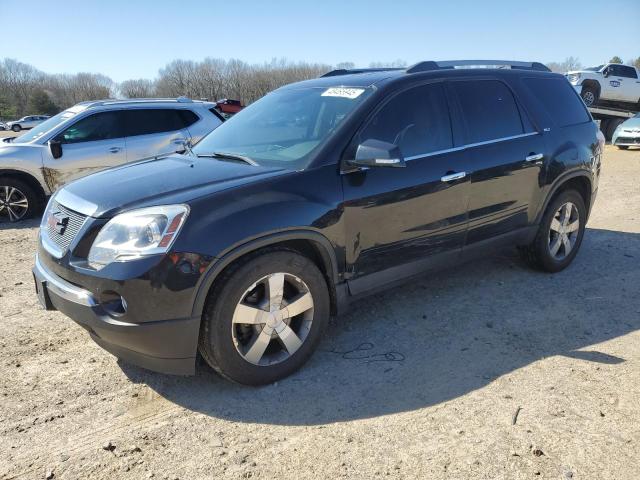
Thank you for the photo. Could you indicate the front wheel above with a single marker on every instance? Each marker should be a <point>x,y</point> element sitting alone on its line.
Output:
<point>559,235</point>
<point>18,201</point>
<point>15,128</point>
<point>264,317</point>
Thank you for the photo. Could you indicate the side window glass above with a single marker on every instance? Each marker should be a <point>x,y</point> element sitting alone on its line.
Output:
<point>100,126</point>
<point>416,120</point>
<point>151,120</point>
<point>559,99</point>
<point>186,118</point>
<point>489,109</point>
<point>629,72</point>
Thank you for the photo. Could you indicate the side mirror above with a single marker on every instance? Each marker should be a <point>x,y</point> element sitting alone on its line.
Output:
<point>376,153</point>
<point>55,146</point>
<point>606,72</point>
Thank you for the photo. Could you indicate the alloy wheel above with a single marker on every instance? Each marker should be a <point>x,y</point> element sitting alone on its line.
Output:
<point>13,203</point>
<point>563,231</point>
<point>272,319</point>
<point>589,98</point>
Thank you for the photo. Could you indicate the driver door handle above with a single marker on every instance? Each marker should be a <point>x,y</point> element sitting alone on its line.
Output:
<point>115,149</point>
<point>534,157</point>
<point>453,176</point>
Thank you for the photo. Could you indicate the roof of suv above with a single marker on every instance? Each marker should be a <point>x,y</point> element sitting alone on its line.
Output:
<point>366,77</point>
<point>138,101</point>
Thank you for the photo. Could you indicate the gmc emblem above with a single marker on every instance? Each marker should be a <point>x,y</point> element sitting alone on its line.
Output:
<point>58,221</point>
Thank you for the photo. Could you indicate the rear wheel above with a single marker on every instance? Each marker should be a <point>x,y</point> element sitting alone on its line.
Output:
<point>18,201</point>
<point>16,128</point>
<point>264,317</point>
<point>589,96</point>
<point>559,235</point>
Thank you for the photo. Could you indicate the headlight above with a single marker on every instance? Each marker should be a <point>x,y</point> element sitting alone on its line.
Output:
<point>138,233</point>
<point>573,77</point>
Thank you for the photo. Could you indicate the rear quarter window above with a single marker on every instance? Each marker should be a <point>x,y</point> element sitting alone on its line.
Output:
<point>559,99</point>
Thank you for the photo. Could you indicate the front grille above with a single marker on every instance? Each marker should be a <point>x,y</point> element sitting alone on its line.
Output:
<point>635,140</point>
<point>75,222</point>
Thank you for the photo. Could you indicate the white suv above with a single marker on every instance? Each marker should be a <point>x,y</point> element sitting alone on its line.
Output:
<point>93,136</point>
<point>612,82</point>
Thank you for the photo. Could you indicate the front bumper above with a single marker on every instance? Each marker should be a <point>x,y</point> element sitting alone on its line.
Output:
<point>166,346</point>
<point>629,139</point>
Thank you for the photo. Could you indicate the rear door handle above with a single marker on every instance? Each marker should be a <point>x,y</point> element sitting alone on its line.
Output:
<point>115,149</point>
<point>453,176</point>
<point>179,141</point>
<point>534,157</point>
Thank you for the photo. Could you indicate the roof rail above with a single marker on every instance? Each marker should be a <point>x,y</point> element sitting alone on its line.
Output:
<point>142,100</point>
<point>345,71</point>
<point>431,65</point>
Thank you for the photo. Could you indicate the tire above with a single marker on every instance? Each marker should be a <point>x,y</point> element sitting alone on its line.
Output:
<point>611,127</point>
<point>623,147</point>
<point>539,254</point>
<point>16,128</point>
<point>242,294</point>
<point>18,200</point>
<point>589,96</point>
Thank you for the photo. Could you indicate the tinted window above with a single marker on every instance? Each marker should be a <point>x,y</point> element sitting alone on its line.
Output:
<point>559,100</point>
<point>489,110</point>
<point>152,120</point>
<point>628,72</point>
<point>416,120</point>
<point>187,117</point>
<point>100,126</point>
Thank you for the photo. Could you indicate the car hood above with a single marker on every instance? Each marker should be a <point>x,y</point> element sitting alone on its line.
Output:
<point>173,179</point>
<point>631,124</point>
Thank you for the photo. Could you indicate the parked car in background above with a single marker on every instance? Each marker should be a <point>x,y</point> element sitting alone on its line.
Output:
<point>26,123</point>
<point>3,126</point>
<point>229,107</point>
<point>627,134</point>
<point>319,193</point>
<point>92,136</point>
<point>611,82</point>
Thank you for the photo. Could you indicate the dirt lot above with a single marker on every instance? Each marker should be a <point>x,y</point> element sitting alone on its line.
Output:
<point>451,359</point>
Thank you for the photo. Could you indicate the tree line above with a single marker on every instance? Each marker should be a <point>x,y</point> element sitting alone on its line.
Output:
<point>26,90</point>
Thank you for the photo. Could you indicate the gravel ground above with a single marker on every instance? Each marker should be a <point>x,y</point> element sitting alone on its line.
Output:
<point>489,371</point>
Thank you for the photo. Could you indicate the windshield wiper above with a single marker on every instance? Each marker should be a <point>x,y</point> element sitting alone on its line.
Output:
<point>231,156</point>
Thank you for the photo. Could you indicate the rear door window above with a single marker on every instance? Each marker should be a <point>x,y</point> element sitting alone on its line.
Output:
<point>489,110</point>
<point>145,121</point>
<point>187,118</point>
<point>417,120</point>
<point>559,99</point>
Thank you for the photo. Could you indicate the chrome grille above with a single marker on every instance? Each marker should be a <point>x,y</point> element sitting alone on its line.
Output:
<point>74,223</point>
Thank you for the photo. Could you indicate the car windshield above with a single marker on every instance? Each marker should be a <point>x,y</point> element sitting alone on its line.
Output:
<point>595,69</point>
<point>285,127</point>
<point>42,128</point>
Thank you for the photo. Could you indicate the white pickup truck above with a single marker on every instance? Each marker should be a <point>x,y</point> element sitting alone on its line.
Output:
<point>611,82</point>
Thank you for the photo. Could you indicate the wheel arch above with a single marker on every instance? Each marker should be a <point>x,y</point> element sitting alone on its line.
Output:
<point>577,180</point>
<point>27,178</point>
<point>307,242</point>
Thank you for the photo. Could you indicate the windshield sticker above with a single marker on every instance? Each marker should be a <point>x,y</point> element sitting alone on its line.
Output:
<point>349,93</point>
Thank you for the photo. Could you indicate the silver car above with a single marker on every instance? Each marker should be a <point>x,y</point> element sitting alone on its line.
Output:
<point>627,134</point>
<point>93,136</point>
<point>25,123</point>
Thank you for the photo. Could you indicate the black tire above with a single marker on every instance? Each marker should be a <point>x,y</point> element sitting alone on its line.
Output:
<point>218,337</point>
<point>16,128</point>
<point>611,127</point>
<point>589,96</point>
<point>538,254</point>
<point>603,128</point>
<point>623,147</point>
<point>23,190</point>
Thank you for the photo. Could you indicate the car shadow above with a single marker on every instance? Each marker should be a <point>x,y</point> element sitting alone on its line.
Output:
<point>21,225</point>
<point>437,338</point>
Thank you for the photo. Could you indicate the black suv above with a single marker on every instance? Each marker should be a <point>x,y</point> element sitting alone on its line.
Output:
<point>320,193</point>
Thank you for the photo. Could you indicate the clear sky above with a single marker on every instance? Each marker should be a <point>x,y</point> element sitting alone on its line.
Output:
<point>134,38</point>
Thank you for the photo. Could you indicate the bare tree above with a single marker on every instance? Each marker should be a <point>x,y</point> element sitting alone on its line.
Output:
<point>140,88</point>
<point>569,64</point>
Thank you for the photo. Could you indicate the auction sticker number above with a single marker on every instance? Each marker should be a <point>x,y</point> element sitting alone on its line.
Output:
<point>343,92</point>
